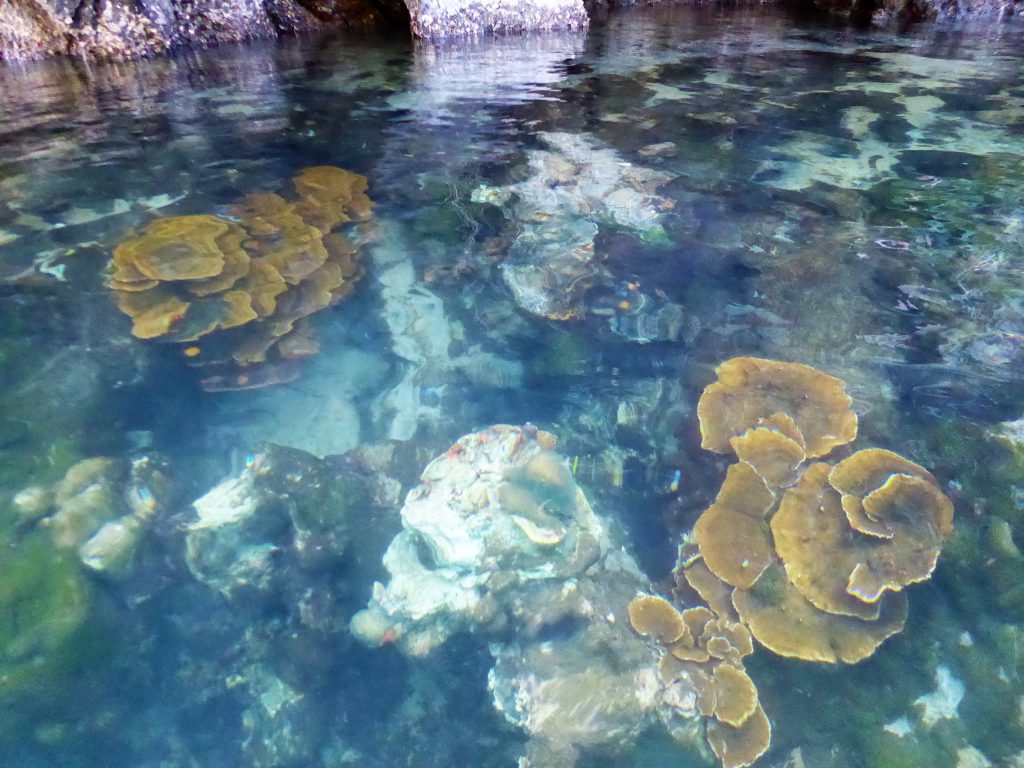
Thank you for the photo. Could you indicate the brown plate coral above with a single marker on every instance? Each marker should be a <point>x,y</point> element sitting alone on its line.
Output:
<point>707,657</point>
<point>751,392</point>
<point>236,293</point>
<point>811,560</point>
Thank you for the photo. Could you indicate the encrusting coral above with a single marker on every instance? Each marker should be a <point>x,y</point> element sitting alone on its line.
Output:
<point>236,292</point>
<point>810,559</point>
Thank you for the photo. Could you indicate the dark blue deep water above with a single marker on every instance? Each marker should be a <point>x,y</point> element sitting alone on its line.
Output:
<point>570,232</point>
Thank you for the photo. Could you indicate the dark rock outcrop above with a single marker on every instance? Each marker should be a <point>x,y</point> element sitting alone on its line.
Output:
<point>125,29</point>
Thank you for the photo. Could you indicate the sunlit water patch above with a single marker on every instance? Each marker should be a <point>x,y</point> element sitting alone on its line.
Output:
<point>567,234</point>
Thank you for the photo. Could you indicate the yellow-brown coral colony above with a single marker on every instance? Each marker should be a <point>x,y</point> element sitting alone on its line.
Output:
<point>707,657</point>
<point>239,292</point>
<point>811,559</point>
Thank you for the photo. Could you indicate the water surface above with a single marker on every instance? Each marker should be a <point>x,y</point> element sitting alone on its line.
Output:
<point>849,200</point>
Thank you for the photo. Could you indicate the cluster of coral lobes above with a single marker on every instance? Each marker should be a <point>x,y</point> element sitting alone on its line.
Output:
<point>236,292</point>
<point>810,558</point>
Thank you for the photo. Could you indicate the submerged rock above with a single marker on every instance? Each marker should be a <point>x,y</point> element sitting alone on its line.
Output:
<point>499,540</point>
<point>574,185</point>
<point>286,509</point>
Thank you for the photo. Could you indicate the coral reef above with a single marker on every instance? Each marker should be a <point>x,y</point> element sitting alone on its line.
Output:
<point>499,540</point>
<point>574,185</point>
<point>816,569</point>
<point>701,667</point>
<point>237,293</point>
<point>809,559</point>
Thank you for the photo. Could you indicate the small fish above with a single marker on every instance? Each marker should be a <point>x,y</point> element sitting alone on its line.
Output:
<point>677,476</point>
<point>141,500</point>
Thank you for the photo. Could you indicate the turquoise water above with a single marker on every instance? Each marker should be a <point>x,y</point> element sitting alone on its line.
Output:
<point>571,232</point>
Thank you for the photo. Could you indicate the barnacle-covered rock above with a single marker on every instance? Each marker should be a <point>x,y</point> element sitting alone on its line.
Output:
<point>733,532</point>
<point>750,390</point>
<point>786,623</point>
<point>238,288</point>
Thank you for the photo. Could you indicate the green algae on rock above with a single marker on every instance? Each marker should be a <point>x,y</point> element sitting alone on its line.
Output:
<point>44,610</point>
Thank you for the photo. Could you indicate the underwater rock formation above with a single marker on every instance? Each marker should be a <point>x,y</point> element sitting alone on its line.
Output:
<point>286,505</point>
<point>272,544</point>
<point>120,29</point>
<point>574,185</point>
<point>813,559</point>
<point>44,612</point>
<point>101,510</point>
<point>238,294</point>
<point>498,539</point>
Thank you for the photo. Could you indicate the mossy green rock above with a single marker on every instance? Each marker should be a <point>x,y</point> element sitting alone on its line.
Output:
<point>44,605</point>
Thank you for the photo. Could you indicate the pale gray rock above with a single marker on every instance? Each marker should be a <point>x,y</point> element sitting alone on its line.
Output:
<point>499,540</point>
<point>442,19</point>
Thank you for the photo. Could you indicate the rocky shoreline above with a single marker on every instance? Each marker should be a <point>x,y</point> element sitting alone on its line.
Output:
<point>129,29</point>
<point>118,30</point>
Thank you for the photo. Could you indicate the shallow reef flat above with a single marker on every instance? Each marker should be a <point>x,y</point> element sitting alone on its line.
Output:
<point>644,396</point>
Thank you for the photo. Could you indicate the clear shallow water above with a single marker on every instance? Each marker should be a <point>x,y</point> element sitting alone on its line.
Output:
<point>846,200</point>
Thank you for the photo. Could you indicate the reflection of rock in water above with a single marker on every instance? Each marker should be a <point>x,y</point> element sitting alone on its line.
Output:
<point>498,539</point>
<point>491,72</point>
